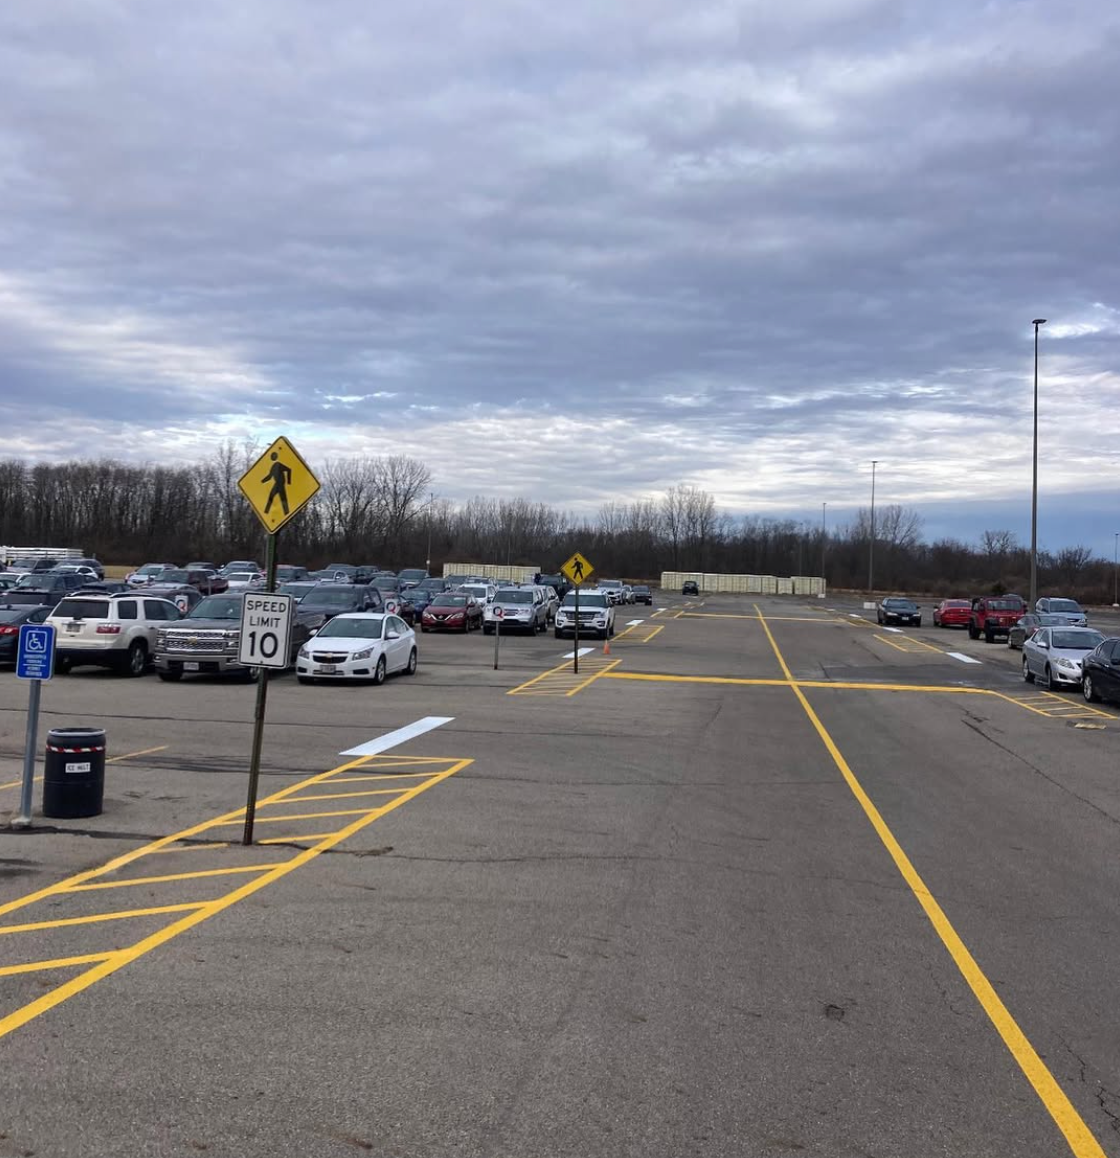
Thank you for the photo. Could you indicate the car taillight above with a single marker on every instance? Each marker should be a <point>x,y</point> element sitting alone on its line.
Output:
<point>108,629</point>
<point>9,630</point>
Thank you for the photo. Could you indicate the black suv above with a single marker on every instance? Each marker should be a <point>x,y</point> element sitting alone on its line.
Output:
<point>690,587</point>
<point>331,599</point>
<point>642,594</point>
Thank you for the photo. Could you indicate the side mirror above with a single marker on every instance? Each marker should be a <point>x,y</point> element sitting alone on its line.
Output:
<point>1043,644</point>
<point>313,631</point>
<point>393,635</point>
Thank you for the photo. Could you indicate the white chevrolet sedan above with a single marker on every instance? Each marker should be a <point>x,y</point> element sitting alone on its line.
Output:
<point>358,645</point>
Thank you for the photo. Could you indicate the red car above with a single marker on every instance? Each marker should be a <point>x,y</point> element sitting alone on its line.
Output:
<point>451,611</point>
<point>952,613</point>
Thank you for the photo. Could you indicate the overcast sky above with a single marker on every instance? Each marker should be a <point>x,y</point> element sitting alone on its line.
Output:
<point>577,251</point>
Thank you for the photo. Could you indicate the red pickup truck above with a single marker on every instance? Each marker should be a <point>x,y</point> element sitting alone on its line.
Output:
<point>994,615</point>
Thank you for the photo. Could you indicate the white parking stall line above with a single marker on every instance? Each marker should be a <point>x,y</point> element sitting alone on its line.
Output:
<point>582,652</point>
<point>392,739</point>
<point>962,657</point>
<point>854,615</point>
<point>896,630</point>
<point>634,622</point>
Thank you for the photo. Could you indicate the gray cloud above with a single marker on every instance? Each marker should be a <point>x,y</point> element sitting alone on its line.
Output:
<point>577,251</point>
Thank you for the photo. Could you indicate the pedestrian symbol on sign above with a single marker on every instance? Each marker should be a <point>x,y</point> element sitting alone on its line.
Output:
<point>280,475</point>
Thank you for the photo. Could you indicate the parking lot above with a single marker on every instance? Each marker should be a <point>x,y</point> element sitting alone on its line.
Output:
<point>766,879</point>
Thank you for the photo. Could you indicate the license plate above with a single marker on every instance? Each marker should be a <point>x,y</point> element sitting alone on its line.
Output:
<point>190,666</point>
<point>73,628</point>
<point>326,669</point>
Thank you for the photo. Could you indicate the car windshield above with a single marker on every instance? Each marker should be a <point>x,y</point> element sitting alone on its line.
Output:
<point>449,601</point>
<point>514,597</point>
<point>297,588</point>
<point>641,587</point>
<point>347,567</point>
<point>1066,605</point>
<point>241,576</point>
<point>217,607</point>
<point>433,584</point>
<point>1005,605</point>
<point>413,573</point>
<point>13,614</point>
<point>343,628</point>
<point>901,604</point>
<point>83,608</point>
<point>151,569</point>
<point>327,598</point>
<point>588,599</point>
<point>956,603</point>
<point>478,591</point>
<point>177,575</point>
<point>1077,640</point>
<point>386,583</point>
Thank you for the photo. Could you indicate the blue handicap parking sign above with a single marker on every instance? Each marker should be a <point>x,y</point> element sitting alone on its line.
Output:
<point>35,657</point>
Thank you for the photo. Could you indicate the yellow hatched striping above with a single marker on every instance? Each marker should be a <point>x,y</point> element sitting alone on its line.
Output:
<point>113,875</point>
<point>562,681</point>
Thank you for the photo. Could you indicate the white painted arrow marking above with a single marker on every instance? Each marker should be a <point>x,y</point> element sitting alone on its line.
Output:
<point>392,739</point>
<point>896,630</point>
<point>963,658</point>
<point>582,651</point>
<point>635,622</point>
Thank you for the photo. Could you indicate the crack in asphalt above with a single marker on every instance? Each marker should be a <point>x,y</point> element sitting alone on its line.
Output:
<point>1038,771</point>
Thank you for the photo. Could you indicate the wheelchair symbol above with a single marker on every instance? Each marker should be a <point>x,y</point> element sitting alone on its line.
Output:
<point>36,642</point>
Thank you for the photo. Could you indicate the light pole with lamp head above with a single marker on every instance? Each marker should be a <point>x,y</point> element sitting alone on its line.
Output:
<point>431,502</point>
<point>1034,475</point>
<point>871,549</point>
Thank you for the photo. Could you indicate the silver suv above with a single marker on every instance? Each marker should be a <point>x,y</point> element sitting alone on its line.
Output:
<point>519,608</point>
<point>117,631</point>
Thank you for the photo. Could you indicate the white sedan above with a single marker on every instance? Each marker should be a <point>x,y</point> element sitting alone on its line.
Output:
<point>358,645</point>
<point>245,580</point>
<point>1053,655</point>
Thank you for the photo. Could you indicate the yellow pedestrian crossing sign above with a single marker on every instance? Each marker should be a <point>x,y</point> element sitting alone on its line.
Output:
<point>278,485</point>
<point>578,569</point>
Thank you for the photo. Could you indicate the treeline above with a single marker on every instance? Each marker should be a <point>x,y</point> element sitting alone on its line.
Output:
<point>384,511</point>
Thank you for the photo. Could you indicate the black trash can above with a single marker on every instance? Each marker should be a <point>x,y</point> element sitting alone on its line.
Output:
<point>74,777</point>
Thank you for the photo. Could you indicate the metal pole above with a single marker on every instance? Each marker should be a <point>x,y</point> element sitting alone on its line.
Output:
<point>497,639</point>
<point>34,692</point>
<point>824,533</point>
<point>1115,572</point>
<point>428,560</point>
<point>575,638</point>
<point>258,711</point>
<point>871,552</point>
<point>1034,475</point>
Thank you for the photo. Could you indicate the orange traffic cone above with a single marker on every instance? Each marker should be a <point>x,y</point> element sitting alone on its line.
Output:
<point>607,647</point>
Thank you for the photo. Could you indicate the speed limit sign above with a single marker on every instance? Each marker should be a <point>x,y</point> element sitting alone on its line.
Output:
<point>266,630</point>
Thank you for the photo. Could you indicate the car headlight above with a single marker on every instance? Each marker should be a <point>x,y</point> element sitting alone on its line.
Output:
<point>304,653</point>
<point>1067,663</point>
<point>365,653</point>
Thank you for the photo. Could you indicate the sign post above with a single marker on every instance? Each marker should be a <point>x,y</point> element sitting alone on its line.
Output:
<point>578,570</point>
<point>277,486</point>
<point>499,615</point>
<point>35,663</point>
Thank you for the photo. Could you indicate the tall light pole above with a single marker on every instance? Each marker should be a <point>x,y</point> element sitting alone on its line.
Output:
<point>871,550</point>
<point>431,502</point>
<point>1034,475</point>
<point>1115,570</point>
<point>824,533</point>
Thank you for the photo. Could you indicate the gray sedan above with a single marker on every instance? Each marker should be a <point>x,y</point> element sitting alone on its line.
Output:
<point>1053,655</point>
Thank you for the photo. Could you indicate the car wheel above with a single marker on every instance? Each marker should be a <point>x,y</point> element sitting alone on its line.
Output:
<point>379,672</point>
<point>136,659</point>
<point>1088,691</point>
<point>305,679</point>
<point>411,669</point>
<point>972,631</point>
<point>558,634</point>
<point>62,665</point>
<point>170,677</point>
<point>988,636</point>
<point>252,675</point>
<point>1047,679</point>
<point>1028,675</point>
<point>487,629</point>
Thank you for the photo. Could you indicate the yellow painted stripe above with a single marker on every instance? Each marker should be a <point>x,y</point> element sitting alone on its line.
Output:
<point>201,846</point>
<point>53,963</point>
<point>592,678</point>
<point>566,666</point>
<point>1076,1133</point>
<point>387,776</point>
<point>97,918</point>
<point>890,642</point>
<point>304,838</point>
<point>192,876</point>
<point>650,677</point>
<point>125,957</point>
<point>343,795</point>
<point>132,755</point>
<point>304,815</point>
<point>17,783</point>
<point>656,631</point>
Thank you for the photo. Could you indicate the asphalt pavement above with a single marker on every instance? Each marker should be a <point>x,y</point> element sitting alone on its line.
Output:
<point>767,879</point>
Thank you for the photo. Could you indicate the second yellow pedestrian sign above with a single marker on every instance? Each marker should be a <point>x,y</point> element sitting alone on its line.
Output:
<point>278,485</point>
